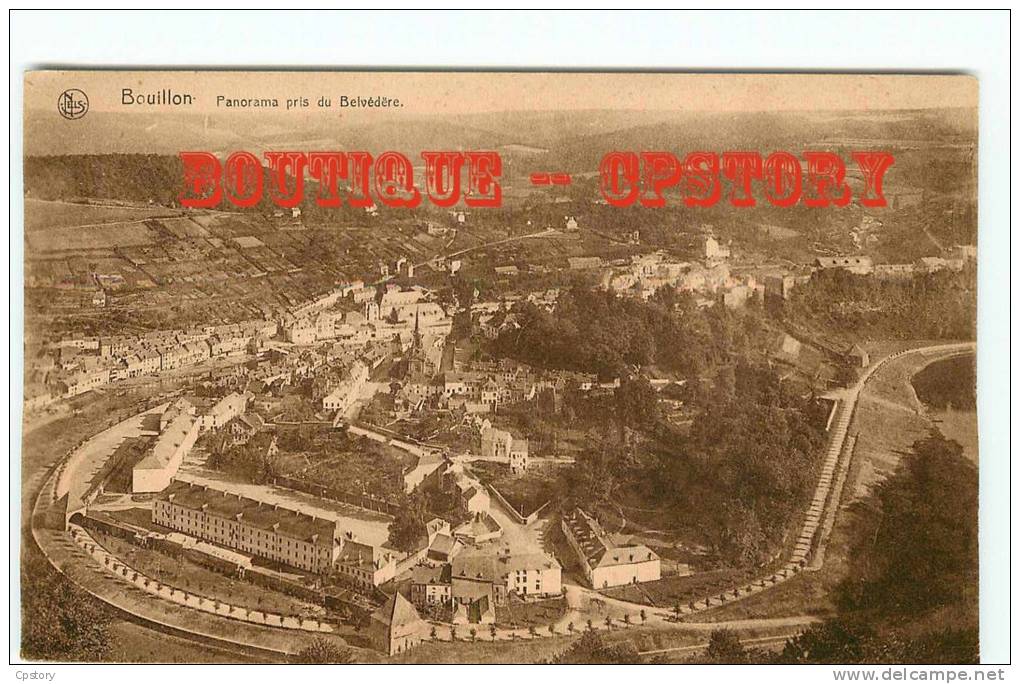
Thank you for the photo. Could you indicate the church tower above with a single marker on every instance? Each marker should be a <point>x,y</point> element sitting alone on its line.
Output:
<point>418,362</point>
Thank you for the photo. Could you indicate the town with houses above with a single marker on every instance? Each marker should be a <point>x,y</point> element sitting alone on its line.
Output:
<point>387,350</point>
<point>361,322</point>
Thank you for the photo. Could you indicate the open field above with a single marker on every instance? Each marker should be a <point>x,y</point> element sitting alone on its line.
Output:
<point>525,492</point>
<point>46,215</point>
<point>669,591</point>
<point>538,614</point>
<point>334,459</point>
<point>133,643</point>
<point>109,236</point>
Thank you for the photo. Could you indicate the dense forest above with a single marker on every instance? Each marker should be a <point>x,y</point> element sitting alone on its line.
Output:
<point>734,475</point>
<point>922,553</point>
<point>62,622</point>
<point>732,480</point>
<point>748,462</point>
<point>939,305</point>
<point>595,331</point>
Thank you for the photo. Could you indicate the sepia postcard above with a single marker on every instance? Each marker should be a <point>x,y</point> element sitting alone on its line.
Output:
<point>499,367</point>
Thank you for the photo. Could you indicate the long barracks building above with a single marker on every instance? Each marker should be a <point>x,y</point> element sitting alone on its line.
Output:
<point>259,529</point>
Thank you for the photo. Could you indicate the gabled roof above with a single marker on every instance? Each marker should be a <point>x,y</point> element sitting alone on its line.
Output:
<point>426,574</point>
<point>167,444</point>
<point>527,561</point>
<point>364,556</point>
<point>599,550</point>
<point>474,567</point>
<point>480,608</point>
<point>442,546</point>
<point>253,421</point>
<point>625,555</point>
<point>480,524</point>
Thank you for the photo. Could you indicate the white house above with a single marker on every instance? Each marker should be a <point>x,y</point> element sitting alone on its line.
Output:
<point>518,456</point>
<point>604,563</point>
<point>156,470</point>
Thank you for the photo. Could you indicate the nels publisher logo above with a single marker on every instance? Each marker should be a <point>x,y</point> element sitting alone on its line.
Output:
<point>73,104</point>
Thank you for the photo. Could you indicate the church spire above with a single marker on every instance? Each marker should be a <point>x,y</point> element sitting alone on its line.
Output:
<point>416,340</point>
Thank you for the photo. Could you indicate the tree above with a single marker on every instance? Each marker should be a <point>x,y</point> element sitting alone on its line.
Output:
<point>59,621</point>
<point>324,652</point>
<point>836,641</point>
<point>637,403</point>
<point>492,632</point>
<point>592,649</point>
<point>473,633</point>
<point>570,627</point>
<point>923,553</point>
<point>644,615</point>
<point>596,474</point>
<point>725,648</point>
<point>924,531</point>
<point>408,526</point>
<point>532,632</point>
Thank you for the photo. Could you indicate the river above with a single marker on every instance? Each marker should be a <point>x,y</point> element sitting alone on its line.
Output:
<point>949,391</point>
